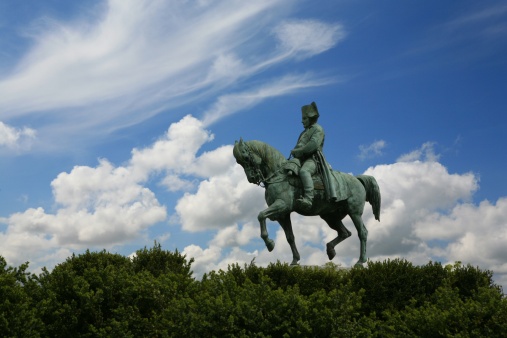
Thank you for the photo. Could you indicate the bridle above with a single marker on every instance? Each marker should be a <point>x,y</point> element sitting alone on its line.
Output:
<point>258,176</point>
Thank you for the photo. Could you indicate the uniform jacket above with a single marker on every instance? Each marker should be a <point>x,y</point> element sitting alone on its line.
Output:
<point>310,141</point>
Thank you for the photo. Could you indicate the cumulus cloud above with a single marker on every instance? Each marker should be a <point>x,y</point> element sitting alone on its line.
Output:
<point>109,205</point>
<point>125,61</point>
<point>13,138</point>
<point>175,152</point>
<point>220,201</point>
<point>235,236</point>
<point>101,206</point>
<point>427,214</point>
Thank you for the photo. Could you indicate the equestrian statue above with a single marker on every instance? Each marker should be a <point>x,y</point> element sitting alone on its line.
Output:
<point>306,184</point>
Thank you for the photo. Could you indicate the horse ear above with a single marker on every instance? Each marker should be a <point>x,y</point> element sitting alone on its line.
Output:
<point>240,141</point>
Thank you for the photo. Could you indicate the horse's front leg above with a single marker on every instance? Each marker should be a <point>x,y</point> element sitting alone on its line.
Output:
<point>274,209</point>
<point>289,234</point>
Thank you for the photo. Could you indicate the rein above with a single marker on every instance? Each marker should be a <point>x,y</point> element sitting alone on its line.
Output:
<point>259,176</point>
<point>280,179</point>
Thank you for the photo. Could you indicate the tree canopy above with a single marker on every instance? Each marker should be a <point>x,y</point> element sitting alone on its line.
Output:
<point>153,294</point>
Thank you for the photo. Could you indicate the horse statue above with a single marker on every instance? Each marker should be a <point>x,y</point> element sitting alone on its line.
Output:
<point>266,166</point>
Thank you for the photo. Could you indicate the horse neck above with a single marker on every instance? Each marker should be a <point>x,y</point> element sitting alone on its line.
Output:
<point>271,157</point>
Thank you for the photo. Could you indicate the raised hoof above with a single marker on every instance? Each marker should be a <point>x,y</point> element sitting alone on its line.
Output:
<point>295,262</point>
<point>270,244</point>
<point>331,252</point>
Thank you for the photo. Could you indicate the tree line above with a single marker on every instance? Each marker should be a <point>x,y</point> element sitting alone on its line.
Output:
<point>153,294</point>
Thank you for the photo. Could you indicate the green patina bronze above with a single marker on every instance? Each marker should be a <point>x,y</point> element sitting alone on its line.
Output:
<point>306,184</point>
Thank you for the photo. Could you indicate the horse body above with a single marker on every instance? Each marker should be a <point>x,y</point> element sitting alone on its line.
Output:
<point>264,164</point>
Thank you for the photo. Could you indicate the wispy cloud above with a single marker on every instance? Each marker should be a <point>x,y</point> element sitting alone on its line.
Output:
<point>308,37</point>
<point>488,14</point>
<point>479,31</point>
<point>372,150</point>
<point>16,139</point>
<point>425,153</point>
<point>232,103</point>
<point>132,59</point>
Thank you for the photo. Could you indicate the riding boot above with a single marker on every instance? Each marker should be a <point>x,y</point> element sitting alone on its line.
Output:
<point>307,200</point>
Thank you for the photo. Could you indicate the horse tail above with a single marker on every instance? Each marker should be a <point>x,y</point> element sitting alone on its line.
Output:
<point>372,193</point>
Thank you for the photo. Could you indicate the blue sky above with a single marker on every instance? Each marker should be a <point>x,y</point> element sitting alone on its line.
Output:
<point>117,120</point>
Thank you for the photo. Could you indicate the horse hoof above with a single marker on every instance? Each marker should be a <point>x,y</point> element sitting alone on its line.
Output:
<point>270,244</point>
<point>331,252</point>
<point>294,263</point>
<point>359,264</point>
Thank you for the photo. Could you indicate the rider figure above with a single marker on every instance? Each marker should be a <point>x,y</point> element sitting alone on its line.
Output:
<point>310,141</point>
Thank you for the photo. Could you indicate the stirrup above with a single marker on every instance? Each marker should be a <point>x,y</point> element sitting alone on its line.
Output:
<point>304,203</point>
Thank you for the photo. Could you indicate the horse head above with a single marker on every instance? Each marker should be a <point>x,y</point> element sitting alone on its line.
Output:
<point>249,160</point>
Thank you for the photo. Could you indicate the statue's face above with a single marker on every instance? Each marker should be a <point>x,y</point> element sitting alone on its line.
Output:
<point>306,121</point>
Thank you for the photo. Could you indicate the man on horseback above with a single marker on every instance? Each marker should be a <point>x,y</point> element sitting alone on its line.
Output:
<point>309,143</point>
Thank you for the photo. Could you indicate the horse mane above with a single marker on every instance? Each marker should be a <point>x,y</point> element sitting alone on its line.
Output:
<point>270,155</point>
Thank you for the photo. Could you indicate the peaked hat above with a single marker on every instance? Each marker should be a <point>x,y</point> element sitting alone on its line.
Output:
<point>310,110</point>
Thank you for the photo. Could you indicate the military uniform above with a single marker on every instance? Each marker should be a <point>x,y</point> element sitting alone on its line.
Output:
<point>309,142</point>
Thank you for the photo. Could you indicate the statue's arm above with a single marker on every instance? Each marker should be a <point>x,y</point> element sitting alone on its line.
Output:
<point>316,139</point>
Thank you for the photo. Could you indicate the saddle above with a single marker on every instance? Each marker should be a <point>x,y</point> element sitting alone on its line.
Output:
<point>295,181</point>
<point>342,191</point>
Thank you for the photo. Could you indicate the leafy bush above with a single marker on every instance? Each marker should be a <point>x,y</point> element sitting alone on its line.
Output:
<point>99,294</point>
<point>18,317</point>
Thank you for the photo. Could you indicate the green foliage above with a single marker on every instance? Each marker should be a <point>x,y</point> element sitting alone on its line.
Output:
<point>309,279</point>
<point>99,294</point>
<point>79,297</point>
<point>18,317</point>
<point>390,285</point>
<point>446,314</point>
<point>158,261</point>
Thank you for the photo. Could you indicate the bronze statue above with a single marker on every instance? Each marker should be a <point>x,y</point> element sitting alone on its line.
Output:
<point>286,193</point>
<point>308,157</point>
<point>309,142</point>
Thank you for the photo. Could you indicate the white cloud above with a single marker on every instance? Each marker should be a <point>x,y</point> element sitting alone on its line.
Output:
<point>15,138</point>
<point>487,14</point>
<point>372,150</point>
<point>427,214</point>
<point>204,259</point>
<point>101,206</point>
<point>109,205</point>
<point>426,152</point>
<point>229,104</point>
<point>129,60</point>
<point>174,152</point>
<point>308,37</point>
<point>235,236</point>
<point>220,201</point>
<point>476,233</point>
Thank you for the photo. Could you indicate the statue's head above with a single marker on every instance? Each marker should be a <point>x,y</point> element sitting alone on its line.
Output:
<point>310,114</point>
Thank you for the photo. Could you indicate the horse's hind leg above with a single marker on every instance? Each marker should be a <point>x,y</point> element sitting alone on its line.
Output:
<point>335,223</point>
<point>363,236</point>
